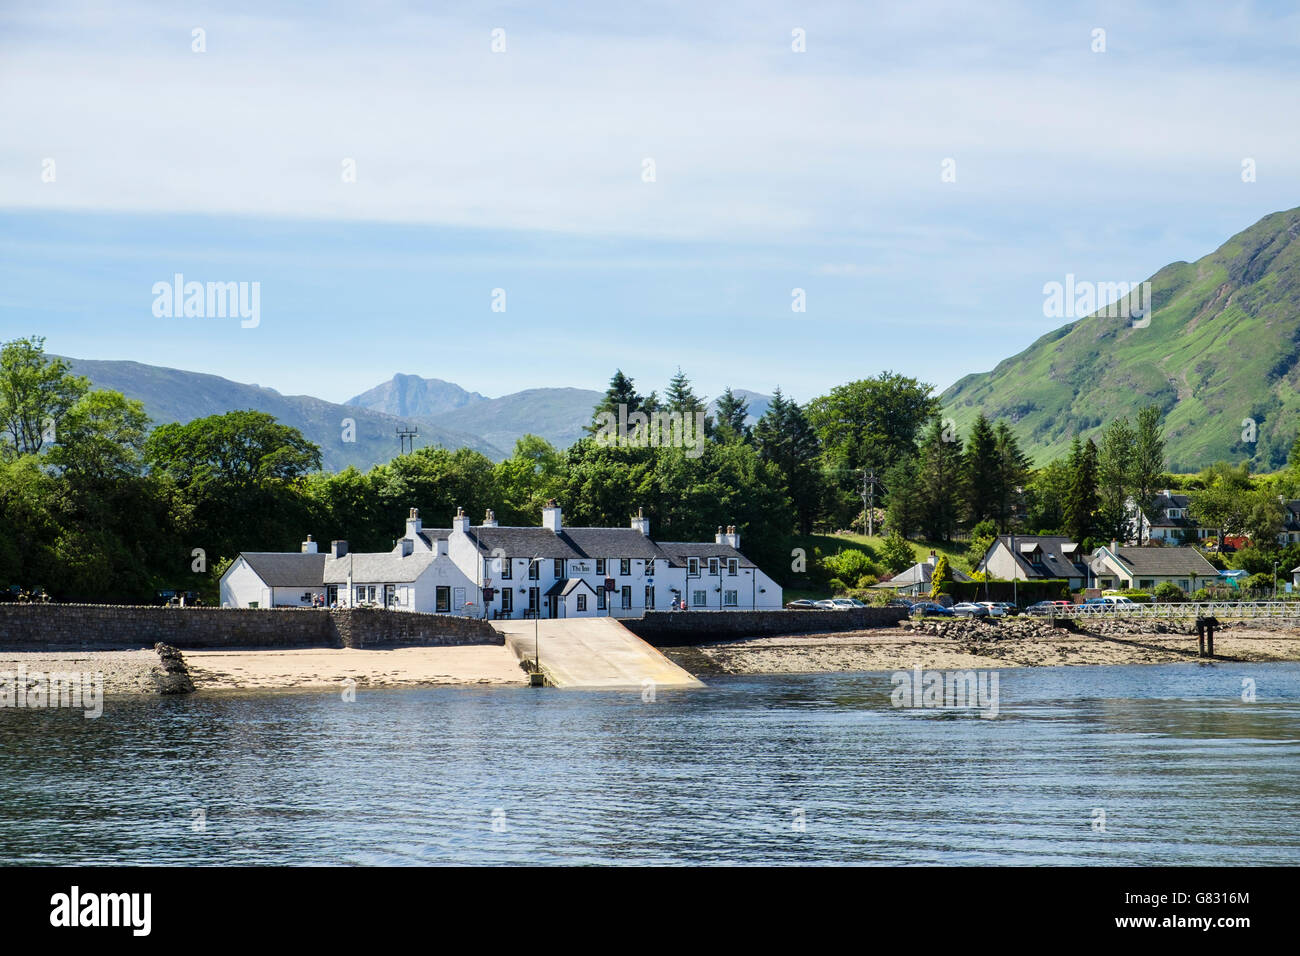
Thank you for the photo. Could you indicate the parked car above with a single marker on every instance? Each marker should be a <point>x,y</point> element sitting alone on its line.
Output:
<point>826,604</point>
<point>922,608</point>
<point>1045,608</point>
<point>847,602</point>
<point>804,603</point>
<point>970,609</point>
<point>993,607</point>
<point>1100,605</point>
<point>1008,609</point>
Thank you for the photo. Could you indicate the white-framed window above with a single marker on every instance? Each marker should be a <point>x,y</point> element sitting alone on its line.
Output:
<point>361,594</point>
<point>534,570</point>
<point>732,565</point>
<point>625,567</point>
<point>559,568</point>
<point>730,598</point>
<point>507,572</point>
<point>713,566</point>
<point>699,598</point>
<point>693,567</point>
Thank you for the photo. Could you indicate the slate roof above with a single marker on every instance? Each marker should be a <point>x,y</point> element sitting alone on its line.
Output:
<point>430,535</point>
<point>286,569</point>
<point>1163,502</point>
<point>679,551</point>
<point>1159,562</point>
<point>921,573</point>
<point>569,543</point>
<point>1055,563</point>
<point>385,568</point>
<point>568,586</point>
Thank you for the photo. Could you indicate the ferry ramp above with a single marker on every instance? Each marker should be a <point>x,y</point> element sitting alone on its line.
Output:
<point>593,653</point>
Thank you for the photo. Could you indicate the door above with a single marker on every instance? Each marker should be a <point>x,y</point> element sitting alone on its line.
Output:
<point>552,606</point>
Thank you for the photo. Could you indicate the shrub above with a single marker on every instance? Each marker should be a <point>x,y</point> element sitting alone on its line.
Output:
<point>1201,594</point>
<point>1168,591</point>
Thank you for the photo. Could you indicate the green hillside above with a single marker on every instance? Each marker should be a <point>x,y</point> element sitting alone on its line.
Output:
<point>1223,345</point>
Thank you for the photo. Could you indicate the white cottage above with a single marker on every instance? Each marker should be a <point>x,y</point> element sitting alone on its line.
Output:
<point>274,578</point>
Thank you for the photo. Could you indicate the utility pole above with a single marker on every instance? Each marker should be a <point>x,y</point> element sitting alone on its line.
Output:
<point>405,434</point>
<point>869,482</point>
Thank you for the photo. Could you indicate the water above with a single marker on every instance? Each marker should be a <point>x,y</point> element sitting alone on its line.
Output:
<point>1186,772</point>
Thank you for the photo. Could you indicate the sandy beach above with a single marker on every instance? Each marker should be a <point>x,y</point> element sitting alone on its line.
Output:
<point>890,649</point>
<point>327,667</point>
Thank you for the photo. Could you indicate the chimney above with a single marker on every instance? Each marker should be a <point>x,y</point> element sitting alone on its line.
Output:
<point>932,560</point>
<point>309,546</point>
<point>718,538</point>
<point>551,517</point>
<point>413,523</point>
<point>640,522</point>
<point>1114,546</point>
<point>490,519</point>
<point>408,545</point>
<point>460,522</point>
<point>338,548</point>
<point>731,537</point>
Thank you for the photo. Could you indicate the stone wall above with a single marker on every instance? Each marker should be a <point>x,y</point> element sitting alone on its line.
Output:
<point>100,626</point>
<point>683,628</point>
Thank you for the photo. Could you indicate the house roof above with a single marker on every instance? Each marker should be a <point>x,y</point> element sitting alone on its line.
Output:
<point>1056,550</point>
<point>385,568</point>
<point>568,586</point>
<point>921,573</point>
<point>286,569</point>
<point>430,535</point>
<point>679,551</point>
<point>1160,562</point>
<point>569,543</point>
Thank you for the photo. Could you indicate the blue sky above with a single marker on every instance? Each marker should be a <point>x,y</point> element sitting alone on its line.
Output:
<point>522,170</point>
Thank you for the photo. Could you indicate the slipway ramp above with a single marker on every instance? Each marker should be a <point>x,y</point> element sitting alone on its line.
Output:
<point>592,653</point>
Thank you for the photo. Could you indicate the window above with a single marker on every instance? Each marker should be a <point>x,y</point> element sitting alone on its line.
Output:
<point>600,566</point>
<point>713,566</point>
<point>507,572</point>
<point>693,567</point>
<point>625,567</point>
<point>361,595</point>
<point>559,567</point>
<point>627,596</point>
<point>442,599</point>
<point>534,599</point>
<point>582,602</point>
<point>508,601</point>
<point>370,594</point>
<point>1183,584</point>
<point>1146,583</point>
<point>649,597</point>
<point>600,597</point>
<point>731,566</point>
<point>534,570</point>
<point>390,595</point>
<point>332,595</point>
<point>699,598</point>
<point>729,598</point>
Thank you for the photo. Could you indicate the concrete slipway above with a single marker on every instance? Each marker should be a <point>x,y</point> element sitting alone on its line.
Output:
<point>593,653</point>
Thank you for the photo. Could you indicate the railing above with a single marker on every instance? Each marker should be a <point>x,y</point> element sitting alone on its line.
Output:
<point>1242,610</point>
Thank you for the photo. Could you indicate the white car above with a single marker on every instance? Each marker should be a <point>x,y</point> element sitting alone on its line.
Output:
<point>995,609</point>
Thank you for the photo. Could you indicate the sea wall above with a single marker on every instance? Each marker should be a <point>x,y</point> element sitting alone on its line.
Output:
<point>683,628</point>
<point>100,626</point>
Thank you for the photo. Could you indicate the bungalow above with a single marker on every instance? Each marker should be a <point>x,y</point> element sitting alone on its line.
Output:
<point>1035,557</point>
<point>916,580</point>
<point>274,578</point>
<point>1145,568</point>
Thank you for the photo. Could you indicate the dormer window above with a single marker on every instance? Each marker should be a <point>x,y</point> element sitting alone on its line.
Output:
<point>693,567</point>
<point>713,566</point>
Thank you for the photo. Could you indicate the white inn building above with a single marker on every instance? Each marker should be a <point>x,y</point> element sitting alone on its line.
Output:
<point>512,572</point>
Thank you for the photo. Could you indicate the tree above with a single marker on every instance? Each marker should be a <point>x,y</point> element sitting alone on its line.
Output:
<point>1081,507</point>
<point>1048,497</point>
<point>785,439</point>
<point>940,576</point>
<point>904,501</point>
<point>1148,460</point>
<point>237,449</point>
<point>1115,479</point>
<point>1262,518</point>
<point>101,438</point>
<point>1010,475</point>
<point>621,393</point>
<point>732,410</point>
<point>896,554</point>
<point>1220,506</point>
<point>982,473</point>
<point>941,482</point>
<point>35,393</point>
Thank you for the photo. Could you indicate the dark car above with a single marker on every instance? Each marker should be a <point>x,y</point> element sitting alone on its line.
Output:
<point>801,604</point>
<point>929,607</point>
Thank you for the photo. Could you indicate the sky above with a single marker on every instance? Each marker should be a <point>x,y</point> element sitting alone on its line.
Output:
<point>920,171</point>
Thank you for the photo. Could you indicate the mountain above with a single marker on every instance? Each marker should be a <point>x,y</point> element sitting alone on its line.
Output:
<point>411,396</point>
<point>559,415</point>
<point>1220,349</point>
<point>756,401</point>
<point>173,395</point>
